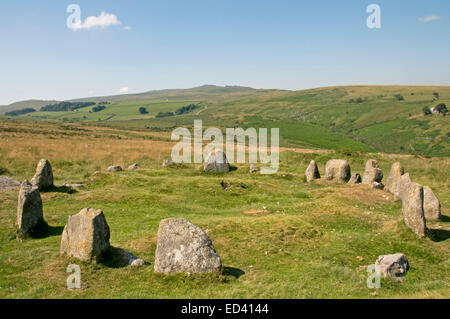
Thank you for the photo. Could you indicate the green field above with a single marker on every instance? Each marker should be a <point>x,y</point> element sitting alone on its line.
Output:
<point>317,118</point>
<point>311,241</point>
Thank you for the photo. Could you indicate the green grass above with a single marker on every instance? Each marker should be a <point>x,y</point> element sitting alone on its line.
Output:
<point>309,245</point>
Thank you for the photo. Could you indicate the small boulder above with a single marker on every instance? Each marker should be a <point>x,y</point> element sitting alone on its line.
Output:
<point>167,163</point>
<point>131,260</point>
<point>355,179</point>
<point>312,172</point>
<point>372,174</point>
<point>8,183</point>
<point>133,167</point>
<point>216,162</point>
<point>395,265</point>
<point>431,205</point>
<point>254,168</point>
<point>183,247</point>
<point>86,235</point>
<point>412,208</point>
<point>338,170</point>
<point>393,179</point>
<point>29,209</point>
<point>114,169</point>
<point>43,178</point>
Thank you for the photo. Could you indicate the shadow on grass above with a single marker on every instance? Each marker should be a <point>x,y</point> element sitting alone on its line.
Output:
<point>438,234</point>
<point>445,219</point>
<point>231,271</point>
<point>45,231</point>
<point>59,189</point>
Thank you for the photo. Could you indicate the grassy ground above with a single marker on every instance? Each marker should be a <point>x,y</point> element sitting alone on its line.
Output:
<point>307,240</point>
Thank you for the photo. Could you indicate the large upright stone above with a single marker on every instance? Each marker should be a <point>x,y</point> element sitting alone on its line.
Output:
<point>29,208</point>
<point>86,235</point>
<point>183,247</point>
<point>431,205</point>
<point>372,174</point>
<point>338,170</point>
<point>44,175</point>
<point>403,187</point>
<point>312,172</point>
<point>412,208</point>
<point>216,162</point>
<point>393,179</point>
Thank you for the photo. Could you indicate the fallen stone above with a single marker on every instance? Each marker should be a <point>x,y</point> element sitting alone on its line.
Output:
<point>8,183</point>
<point>395,265</point>
<point>43,178</point>
<point>431,205</point>
<point>114,169</point>
<point>393,179</point>
<point>29,209</point>
<point>167,163</point>
<point>86,235</point>
<point>133,167</point>
<point>355,179</point>
<point>337,170</point>
<point>183,247</point>
<point>254,168</point>
<point>372,174</point>
<point>216,162</point>
<point>312,172</point>
<point>132,260</point>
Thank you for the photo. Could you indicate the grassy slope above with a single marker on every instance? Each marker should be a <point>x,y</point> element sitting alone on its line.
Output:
<point>307,246</point>
<point>318,118</point>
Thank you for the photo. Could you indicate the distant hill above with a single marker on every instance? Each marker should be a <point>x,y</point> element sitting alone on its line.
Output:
<point>35,104</point>
<point>200,92</point>
<point>387,119</point>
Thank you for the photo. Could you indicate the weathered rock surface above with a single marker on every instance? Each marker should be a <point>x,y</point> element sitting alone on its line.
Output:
<point>43,178</point>
<point>372,174</point>
<point>8,183</point>
<point>254,168</point>
<point>183,247</point>
<point>403,187</point>
<point>114,169</point>
<point>131,260</point>
<point>395,265</point>
<point>355,179</point>
<point>86,235</point>
<point>338,170</point>
<point>393,179</point>
<point>216,162</point>
<point>134,166</point>
<point>431,205</point>
<point>312,172</point>
<point>412,208</point>
<point>29,209</point>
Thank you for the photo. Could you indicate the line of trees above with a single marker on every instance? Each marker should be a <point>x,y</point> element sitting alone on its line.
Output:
<point>20,112</point>
<point>65,106</point>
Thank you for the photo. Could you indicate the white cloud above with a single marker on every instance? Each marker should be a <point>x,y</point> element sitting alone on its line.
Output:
<point>124,89</point>
<point>103,20</point>
<point>128,28</point>
<point>429,18</point>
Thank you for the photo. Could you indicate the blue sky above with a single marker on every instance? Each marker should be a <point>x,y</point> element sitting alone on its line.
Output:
<point>180,44</point>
